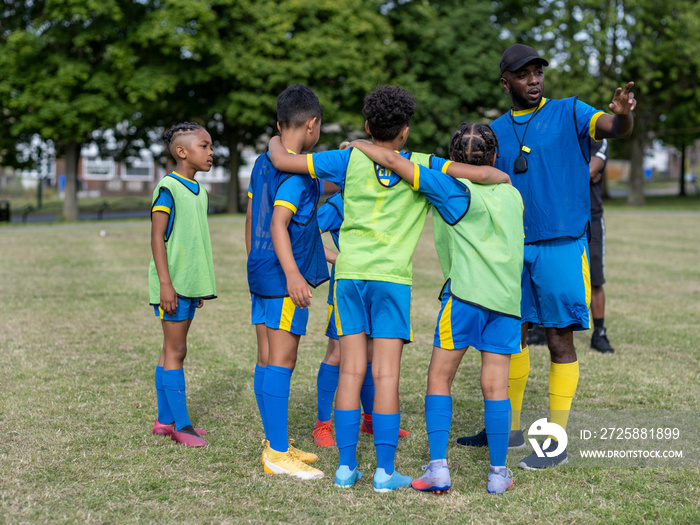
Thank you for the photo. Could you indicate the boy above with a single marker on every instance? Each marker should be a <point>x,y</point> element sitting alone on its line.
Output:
<point>479,241</point>
<point>383,222</point>
<point>181,272</point>
<point>285,257</point>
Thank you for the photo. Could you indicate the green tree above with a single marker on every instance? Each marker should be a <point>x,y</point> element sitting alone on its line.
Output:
<point>60,79</point>
<point>446,56</point>
<point>224,62</point>
<point>596,45</point>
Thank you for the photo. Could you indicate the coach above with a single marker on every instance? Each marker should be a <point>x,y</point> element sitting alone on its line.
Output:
<point>544,147</point>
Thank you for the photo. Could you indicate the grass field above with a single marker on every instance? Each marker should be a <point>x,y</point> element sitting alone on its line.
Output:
<point>79,346</point>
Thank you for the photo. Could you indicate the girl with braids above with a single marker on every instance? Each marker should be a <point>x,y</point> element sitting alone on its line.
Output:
<point>479,241</point>
<point>181,273</point>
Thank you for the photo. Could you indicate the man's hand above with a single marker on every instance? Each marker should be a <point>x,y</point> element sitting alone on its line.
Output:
<point>623,102</point>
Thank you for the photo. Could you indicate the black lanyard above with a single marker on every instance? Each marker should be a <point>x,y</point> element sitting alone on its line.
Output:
<point>520,163</point>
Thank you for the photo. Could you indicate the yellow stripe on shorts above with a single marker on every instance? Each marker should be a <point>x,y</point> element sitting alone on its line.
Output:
<point>586,271</point>
<point>161,311</point>
<point>445,326</point>
<point>328,317</point>
<point>338,328</point>
<point>287,314</point>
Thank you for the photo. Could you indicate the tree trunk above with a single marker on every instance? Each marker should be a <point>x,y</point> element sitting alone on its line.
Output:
<point>681,192</point>
<point>233,195</point>
<point>70,201</point>
<point>635,196</point>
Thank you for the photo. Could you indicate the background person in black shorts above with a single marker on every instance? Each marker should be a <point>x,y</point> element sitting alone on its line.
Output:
<point>596,246</point>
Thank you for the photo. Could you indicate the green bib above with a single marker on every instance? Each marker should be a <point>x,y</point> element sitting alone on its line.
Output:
<point>382,224</point>
<point>188,248</point>
<point>482,255</point>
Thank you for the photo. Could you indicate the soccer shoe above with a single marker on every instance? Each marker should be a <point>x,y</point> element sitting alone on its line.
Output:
<point>368,429</point>
<point>159,429</point>
<point>306,457</point>
<point>346,478</point>
<point>599,342</point>
<point>436,478</point>
<point>323,434</point>
<point>477,440</point>
<point>266,449</point>
<point>533,462</point>
<point>187,439</point>
<point>286,463</point>
<point>536,335</point>
<point>516,440</point>
<point>384,482</point>
<point>500,480</point>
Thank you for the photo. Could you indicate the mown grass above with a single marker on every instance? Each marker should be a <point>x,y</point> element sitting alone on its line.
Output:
<point>79,346</point>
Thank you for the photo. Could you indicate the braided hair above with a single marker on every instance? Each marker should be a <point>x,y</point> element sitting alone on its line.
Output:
<point>178,130</point>
<point>473,143</point>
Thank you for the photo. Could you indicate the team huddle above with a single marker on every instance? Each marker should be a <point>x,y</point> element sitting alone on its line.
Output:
<point>511,214</point>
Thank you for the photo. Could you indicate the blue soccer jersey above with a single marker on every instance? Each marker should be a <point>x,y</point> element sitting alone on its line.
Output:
<point>269,188</point>
<point>553,139</point>
<point>330,219</point>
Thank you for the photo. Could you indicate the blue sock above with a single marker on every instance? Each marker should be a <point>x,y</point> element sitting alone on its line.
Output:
<point>367,391</point>
<point>347,428</point>
<point>438,420</point>
<point>386,439</point>
<point>174,386</point>
<point>165,416</point>
<point>258,379</point>
<point>326,385</point>
<point>497,416</point>
<point>276,398</point>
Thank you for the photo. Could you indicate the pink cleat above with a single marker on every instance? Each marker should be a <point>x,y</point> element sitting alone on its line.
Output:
<point>159,429</point>
<point>189,440</point>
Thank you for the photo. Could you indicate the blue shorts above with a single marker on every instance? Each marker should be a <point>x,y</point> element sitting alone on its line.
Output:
<point>330,323</point>
<point>279,313</point>
<point>377,308</point>
<point>461,324</point>
<point>556,283</point>
<point>185,310</point>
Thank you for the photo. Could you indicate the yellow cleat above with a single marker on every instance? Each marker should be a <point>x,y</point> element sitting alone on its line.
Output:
<point>306,457</point>
<point>286,463</point>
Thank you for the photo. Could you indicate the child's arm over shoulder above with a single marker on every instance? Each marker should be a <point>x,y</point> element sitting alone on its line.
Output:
<point>477,174</point>
<point>168,296</point>
<point>283,161</point>
<point>396,162</point>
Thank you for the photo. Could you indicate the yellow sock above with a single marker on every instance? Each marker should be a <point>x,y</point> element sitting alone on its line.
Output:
<point>517,379</point>
<point>563,379</point>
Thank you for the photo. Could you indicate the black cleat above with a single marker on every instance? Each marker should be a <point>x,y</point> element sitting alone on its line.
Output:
<point>599,342</point>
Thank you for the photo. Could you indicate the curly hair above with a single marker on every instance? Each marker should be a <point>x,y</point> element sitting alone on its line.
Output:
<point>473,143</point>
<point>179,129</point>
<point>387,110</point>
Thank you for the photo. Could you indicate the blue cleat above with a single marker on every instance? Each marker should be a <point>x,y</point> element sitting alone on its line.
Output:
<point>500,480</point>
<point>436,478</point>
<point>384,482</point>
<point>346,478</point>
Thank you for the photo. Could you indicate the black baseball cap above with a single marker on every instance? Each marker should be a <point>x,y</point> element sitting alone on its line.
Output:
<point>517,55</point>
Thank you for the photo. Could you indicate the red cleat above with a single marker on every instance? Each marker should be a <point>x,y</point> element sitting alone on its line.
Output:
<point>323,434</point>
<point>368,429</point>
